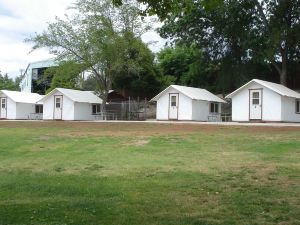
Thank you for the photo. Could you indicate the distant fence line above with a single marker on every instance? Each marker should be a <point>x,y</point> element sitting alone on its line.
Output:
<point>136,110</point>
<point>125,110</point>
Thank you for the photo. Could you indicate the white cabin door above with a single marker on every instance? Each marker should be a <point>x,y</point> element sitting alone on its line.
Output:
<point>58,103</point>
<point>3,108</point>
<point>173,106</point>
<point>255,104</point>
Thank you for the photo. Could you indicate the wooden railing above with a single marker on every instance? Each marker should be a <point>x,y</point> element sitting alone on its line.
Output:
<point>35,116</point>
<point>226,117</point>
<point>219,118</point>
<point>105,116</point>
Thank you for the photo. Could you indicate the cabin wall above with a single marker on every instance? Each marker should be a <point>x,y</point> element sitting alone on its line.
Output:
<point>271,106</point>
<point>185,111</point>
<point>289,110</point>
<point>83,111</point>
<point>23,110</point>
<point>200,110</point>
<point>48,108</point>
<point>240,106</point>
<point>11,109</point>
<point>162,107</point>
<point>68,109</point>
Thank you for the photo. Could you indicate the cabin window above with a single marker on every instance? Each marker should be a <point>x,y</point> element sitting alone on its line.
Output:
<point>255,98</point>
<point>214,107</point>
<point>96,108</point>
<point>173,100</point>
<point>297,105</point>
<point>57,102</point>
<point>38,109</point>
<point>3,103</point>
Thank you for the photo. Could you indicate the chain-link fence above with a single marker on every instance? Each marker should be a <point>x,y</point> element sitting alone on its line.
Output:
<point>127,110</point>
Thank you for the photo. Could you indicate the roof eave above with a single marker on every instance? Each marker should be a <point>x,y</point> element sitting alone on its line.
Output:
<point>220,100</point>
<point>47,95</point>
<point>240,88</point>
<point>155,98</point>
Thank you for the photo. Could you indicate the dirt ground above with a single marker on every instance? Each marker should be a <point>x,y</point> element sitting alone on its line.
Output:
<point>139,129</point>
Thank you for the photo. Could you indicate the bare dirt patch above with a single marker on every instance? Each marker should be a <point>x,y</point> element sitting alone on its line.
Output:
<point>141,142</point>
<point>41,138</point>
<point>138,142</point>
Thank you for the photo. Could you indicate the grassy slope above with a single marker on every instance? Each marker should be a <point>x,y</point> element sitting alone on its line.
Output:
<point>80,173</point>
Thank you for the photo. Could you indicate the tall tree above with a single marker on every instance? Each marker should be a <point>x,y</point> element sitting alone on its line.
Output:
<point>262,31</point>
<point>281,27</point>
<point>187,65</point>
<point>138,76</point>
<point>94,37</point>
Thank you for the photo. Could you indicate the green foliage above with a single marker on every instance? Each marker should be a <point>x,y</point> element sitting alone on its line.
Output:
<point>7,83</point>
<point>89,84</point>
<point>161,8</point>
<point>187,65</point>
<point>240,31</point>
<point>65,75</point>
<point>43,82</point>
<point>95,37</point>
<point>138,75</point>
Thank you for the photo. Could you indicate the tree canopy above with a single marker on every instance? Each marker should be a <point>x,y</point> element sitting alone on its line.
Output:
<point>66,75</point>
<point>161,8</point>
<point>216,44</point>
<point>138,76</point>
<point>7,83</point>
<point>236,33</point>
<point>258,31</point>
<point>99,37</point>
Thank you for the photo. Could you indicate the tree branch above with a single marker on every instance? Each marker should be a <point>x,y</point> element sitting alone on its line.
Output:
<point>262,14</point>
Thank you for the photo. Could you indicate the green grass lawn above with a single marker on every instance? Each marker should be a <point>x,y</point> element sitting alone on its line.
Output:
<point>141,174</point>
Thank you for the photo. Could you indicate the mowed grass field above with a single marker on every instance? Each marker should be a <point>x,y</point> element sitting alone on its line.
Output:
<point>56,173</point>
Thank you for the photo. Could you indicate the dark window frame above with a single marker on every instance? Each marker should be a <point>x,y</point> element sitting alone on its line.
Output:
<point>214,108</point>
<point>96,109</point>
<point>39,109</point>
<point>297,106</point>
<point>3,103</point>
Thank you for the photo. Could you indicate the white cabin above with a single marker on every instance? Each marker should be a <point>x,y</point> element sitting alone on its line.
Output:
<point>68,104</point>
<point>260,100</point>
<point>187,103</point>
<point>17,105</point>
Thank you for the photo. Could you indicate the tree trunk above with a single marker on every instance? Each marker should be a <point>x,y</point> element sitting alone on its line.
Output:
<point>282,71</point>
<point>104,101</point>
<point>103,85</point>
<point>283,74</point>
<point>283,50</point>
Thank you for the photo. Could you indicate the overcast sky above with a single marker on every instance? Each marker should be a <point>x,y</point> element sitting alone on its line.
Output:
<point>21,18</point>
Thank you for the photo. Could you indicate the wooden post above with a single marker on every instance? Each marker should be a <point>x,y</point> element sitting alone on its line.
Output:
<point>129,109</point>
